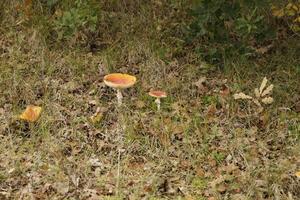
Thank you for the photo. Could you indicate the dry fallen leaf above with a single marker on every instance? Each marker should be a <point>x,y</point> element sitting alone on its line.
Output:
<point>188,197</point>
<point>140,104</point>
<point>62,187</point>
<point>256,102</point>
<point>297,174</point>
<point>31,113</point>
<point>221,188</point>
<point>91,194</point>
<point>217,181</point>
<point>177,129</point>
<point>95,162</point>
<point>96,118</point>
<point>93,102</point>
<point>98,115</point>
<point>265,49</point>
<point>2,111</point>
<point>297,107</point>
<point>164,140</point>
<point>211,198</point>
<point>256,92</point>
<point>267,91</point>
<point>200,85</point>
<point>200,171</point>
<point>200,81</point>
<point>263,85</point>
<point>267,100</point>
<point>238,197</point>
<point>241,95</point>
<point>225,91</point>
<point>277,12</point>
<point>264,119</point>
<point>211,110</point>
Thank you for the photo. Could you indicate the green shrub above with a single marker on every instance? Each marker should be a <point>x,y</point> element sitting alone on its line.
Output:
<point>290,13</point>
<point>77,16</point>
<point>227,28</point>
<point>65,20</point>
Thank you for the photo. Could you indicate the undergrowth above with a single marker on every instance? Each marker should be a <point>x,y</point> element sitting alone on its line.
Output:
<point>202,145</point>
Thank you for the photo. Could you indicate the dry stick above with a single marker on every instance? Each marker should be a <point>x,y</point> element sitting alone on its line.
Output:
<point>119,97</point>
<point>118,164</point>
<point>118,173</point>
<point>120,145</point>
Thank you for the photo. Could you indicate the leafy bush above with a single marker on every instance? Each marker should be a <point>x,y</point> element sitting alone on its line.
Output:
<point>61,19</point>
<point>78,16</point>
<point>290,12</point>
<point>228,28</point>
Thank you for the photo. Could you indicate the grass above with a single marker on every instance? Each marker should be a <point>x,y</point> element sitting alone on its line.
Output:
<point>188,151</point>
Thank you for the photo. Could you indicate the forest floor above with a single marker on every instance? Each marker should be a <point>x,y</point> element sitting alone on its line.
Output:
<point>203,144</point>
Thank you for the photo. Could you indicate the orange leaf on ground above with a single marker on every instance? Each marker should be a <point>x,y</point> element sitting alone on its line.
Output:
<point>31,113</point>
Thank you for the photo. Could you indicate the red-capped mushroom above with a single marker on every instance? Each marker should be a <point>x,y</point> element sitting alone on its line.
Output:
<point>119,81</point>
<point>158,95</point>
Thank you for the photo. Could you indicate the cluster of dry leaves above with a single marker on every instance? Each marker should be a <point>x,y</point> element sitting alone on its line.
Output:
<point>261,95</point>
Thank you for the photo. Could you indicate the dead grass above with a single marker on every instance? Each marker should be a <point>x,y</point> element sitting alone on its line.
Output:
<point>201,146</point>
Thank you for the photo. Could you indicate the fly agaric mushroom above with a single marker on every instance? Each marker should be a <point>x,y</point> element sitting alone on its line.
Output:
<point>31,113</point>
<point>158,95</point>
<point>119,81</point>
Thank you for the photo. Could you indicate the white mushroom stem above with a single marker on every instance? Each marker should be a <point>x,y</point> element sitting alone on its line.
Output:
<point>157,101</point>
<point>119,97</point>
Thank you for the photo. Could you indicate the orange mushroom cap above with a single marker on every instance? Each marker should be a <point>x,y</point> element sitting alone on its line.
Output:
<point>31,113</point>
<point>158,94</point>
<point>119,81</point>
